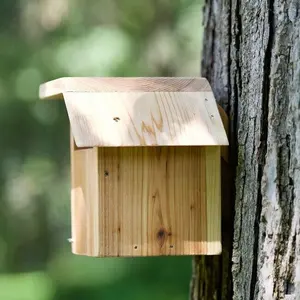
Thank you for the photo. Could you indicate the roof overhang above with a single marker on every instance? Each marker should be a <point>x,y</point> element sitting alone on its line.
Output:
<point>115,112</point>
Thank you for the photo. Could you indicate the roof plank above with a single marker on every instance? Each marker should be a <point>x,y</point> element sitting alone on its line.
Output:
<point>109,119</point>
<point>55,89</point>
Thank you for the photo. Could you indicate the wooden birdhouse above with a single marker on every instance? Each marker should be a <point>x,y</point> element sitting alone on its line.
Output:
<point>145,165</point>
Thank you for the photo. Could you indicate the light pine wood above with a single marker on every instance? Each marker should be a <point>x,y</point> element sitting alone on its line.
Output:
<point>84,200</point>
<point>56,88</point>
<point>151,201</point>
<point>145,119</point>
<point>213,195</point>
<point>129,199</point>
<point>155,111</point>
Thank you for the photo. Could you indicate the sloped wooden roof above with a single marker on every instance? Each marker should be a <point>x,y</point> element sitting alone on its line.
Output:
<point>139,111</point>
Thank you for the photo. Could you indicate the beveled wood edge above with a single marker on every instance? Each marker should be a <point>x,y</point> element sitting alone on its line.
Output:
<point>214,248</point>
<point>54,89</point>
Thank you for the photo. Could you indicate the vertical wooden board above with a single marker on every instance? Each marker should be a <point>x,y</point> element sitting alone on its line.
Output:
<point>84,200</point>
<point>153,201</point>
<point>121,207</point>
<point>213,196</point>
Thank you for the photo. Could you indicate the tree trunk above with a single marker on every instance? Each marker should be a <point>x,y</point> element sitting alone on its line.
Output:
<point>251,57</point>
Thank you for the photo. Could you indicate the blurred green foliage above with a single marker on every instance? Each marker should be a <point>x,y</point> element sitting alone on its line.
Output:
<point>42,40</point>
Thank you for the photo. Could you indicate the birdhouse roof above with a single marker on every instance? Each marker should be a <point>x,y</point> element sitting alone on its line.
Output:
<point>124,112</point>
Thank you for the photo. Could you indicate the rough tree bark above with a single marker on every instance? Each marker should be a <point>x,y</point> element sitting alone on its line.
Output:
<point>251,56</point>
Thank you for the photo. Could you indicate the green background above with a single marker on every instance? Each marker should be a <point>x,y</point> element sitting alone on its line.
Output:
<point>41,40</point>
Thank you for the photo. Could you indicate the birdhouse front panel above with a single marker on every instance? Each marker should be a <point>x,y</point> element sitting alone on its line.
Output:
<point>145,165</point>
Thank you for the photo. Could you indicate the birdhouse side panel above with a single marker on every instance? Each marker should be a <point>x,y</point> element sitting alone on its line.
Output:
<point>213,198</point>
<point>84,200</point>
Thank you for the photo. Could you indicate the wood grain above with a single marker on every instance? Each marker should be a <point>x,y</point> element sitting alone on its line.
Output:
<point>152,201</point>
<point>84,200</point>
<point>213,192</point>
<point>145,119</point>
<point>56,88</point>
